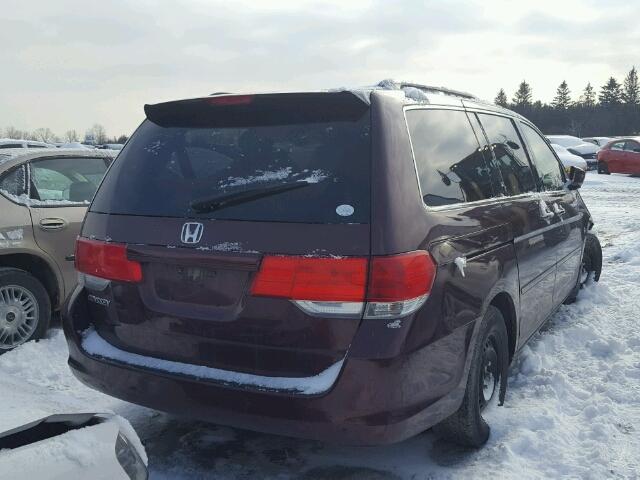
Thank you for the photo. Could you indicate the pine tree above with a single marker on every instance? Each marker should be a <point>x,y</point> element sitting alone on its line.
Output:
<point>501,98</point>
<point>631,91</point>
<point>562,100</point>
<point>523,95</point>
<point>588,97</point>
<point>611,93</point>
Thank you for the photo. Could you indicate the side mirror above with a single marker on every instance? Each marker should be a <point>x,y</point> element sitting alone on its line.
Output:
<point>576,178</point>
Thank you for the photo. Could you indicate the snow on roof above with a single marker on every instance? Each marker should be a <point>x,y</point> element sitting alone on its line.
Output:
<point>412,91</point>
<point>16,155</point>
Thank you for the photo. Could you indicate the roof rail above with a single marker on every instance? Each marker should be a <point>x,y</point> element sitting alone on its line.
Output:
<point>446,91</point>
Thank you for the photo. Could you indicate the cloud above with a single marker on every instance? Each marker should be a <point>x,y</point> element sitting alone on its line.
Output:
<point>72,63</point>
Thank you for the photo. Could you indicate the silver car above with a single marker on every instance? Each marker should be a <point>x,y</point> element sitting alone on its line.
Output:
<point>44,194</point>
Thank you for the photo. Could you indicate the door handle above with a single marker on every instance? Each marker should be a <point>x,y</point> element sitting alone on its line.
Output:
<point>558,209</point>
<point>52,223</point>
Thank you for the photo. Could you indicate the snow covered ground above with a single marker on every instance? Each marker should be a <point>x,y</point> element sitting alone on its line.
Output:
<point>572,410</point>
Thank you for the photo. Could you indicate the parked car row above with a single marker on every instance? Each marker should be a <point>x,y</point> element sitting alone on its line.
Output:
<point>599,141</point>
<point>7,143</point>
<point>576,146</point>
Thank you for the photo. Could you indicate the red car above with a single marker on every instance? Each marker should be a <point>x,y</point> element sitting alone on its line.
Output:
<point>620,156</point>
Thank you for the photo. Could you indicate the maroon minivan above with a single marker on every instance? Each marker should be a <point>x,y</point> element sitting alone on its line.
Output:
<point>351,266</point>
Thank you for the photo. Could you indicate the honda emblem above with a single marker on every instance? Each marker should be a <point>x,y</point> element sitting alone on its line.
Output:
<point>191,232</point>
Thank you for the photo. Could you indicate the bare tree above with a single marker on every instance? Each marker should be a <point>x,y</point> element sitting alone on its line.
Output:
<point>71,136</point>
<point>98,134</point>
<point>13,133</point>
<point>44,135</point>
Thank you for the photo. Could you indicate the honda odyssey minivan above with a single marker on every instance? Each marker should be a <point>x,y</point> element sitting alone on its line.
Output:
<point>352,266</point>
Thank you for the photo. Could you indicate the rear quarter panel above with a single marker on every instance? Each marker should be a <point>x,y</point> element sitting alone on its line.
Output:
<point>400,223</point>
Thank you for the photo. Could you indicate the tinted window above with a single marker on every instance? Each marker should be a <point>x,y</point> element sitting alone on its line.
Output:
<point>451,167</point>
<point>632,146</point>
<point>509,155</point>
<point>67,179</point>
<point>11,145</point>
<point>14,182</point>
<point>546,164</point>
<point>277,160</point>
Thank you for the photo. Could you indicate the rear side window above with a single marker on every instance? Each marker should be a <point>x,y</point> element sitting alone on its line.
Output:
<point>291,158</point>
<point>451,167</point>
<point>72,180</point>
<point>547,165</point>
<point>509,155</point>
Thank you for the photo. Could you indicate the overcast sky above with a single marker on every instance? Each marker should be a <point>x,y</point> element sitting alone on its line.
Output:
<point>68,64</point>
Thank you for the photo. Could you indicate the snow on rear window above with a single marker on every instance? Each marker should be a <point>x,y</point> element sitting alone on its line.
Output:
<point>165,171</point>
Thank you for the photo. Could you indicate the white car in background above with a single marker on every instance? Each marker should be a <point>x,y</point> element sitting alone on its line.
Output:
<point>11,143</point>
<point>577,146</point>
<point>599,141</point>
<point>112,146</point>
<point>74,145</point>
<point>69,446</point>
<point>568,159</point>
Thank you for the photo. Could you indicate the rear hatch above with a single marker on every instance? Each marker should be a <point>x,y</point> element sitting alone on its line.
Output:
<point>207,194</point>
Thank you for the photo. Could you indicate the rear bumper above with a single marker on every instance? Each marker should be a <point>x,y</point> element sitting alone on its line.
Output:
<point>372,402</point>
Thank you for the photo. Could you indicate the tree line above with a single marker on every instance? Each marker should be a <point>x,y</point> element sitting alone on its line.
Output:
<point>613,111</point>
<point>97,135</point>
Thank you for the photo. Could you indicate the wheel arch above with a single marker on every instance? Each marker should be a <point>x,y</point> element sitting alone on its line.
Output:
<point>503,302</point>
<point>41,269</point>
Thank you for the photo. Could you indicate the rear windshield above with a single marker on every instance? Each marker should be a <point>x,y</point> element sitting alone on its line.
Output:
<point>287,158</point>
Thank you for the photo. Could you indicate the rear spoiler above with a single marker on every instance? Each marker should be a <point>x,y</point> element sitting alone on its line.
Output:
<point>255,110</point>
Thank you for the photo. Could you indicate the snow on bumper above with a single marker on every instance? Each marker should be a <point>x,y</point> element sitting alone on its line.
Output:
<point>95,345</point>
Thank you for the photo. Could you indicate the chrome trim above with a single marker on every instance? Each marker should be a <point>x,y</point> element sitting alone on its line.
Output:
<point>534,233</point>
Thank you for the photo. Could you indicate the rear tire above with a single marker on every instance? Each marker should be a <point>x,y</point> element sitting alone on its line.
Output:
<point>25,309</point>
<point>590,268</point>
<point>487,378</point>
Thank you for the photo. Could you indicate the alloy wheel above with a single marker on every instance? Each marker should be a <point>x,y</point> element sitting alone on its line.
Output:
<point>18,316</point>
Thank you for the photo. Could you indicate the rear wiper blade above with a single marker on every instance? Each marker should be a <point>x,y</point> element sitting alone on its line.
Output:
<point>235,198</point>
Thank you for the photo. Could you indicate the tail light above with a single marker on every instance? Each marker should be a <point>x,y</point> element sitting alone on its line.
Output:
<point>106,260</point>
<point>397,285</point>
<point>320,286</point>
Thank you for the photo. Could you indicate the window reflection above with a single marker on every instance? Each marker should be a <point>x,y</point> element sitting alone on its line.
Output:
<point>509,156</point>
<point>451,166</point>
